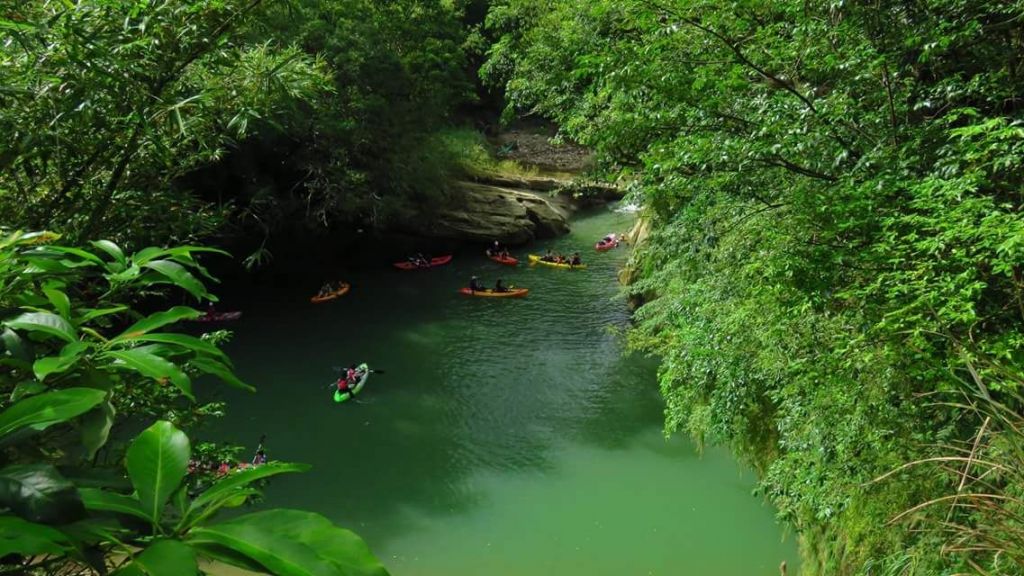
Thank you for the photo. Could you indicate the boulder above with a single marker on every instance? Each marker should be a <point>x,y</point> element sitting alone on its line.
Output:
<point>483,213</point>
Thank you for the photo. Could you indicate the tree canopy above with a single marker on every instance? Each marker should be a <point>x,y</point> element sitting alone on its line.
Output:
<point>833,190</point>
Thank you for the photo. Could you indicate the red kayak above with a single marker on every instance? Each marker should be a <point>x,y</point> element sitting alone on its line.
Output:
<point>506,260</point>
<point>437,261</point>
<point>218,317</point>
<point>607,243</point>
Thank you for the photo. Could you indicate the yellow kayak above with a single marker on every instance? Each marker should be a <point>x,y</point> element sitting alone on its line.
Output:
<point>511,293</point>
<point>534,259</point>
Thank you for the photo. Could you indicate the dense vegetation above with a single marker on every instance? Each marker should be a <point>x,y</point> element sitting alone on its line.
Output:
<point>80,369</point>
<point>834,195</point>
<point>179,119</point>
<point>833,273</point>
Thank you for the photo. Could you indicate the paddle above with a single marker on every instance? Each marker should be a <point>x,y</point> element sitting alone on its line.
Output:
<point>370,370</point>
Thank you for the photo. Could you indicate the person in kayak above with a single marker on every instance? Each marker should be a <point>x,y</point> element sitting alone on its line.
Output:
<point>420,260</point>
<point>347,382</point>
<point>548,256</point>
<point>499,287</point>
<point>326,289</point>
<point>261,454</point>
<point>576,261</point>
<point>475,285</point>
<point>495,249</point>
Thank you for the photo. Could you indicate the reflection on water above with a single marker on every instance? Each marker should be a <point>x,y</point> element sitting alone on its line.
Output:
<point>504,436</point>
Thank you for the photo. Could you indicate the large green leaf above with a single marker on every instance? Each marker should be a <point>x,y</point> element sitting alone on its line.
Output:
<point>226,555</point>
<point>15,346</point>
<point>86,256</point>
<point>67,358</point>
<point>96,428</point>
<point>293,543</point>
<point>211,366</point>
<point>185,252</point>
<point>232,482</point>
<point>157,461</point>
<point>59,300</point>
<point>179,276</point>
<point>167,558</point>
<point>90,314</point>
<point>101,500</point>
<point>27,388</point>
<point>192,343</point>
<point>44,410</point>
<point>46,323</point>
<point>114,251</point>
<point>153,366</point>
<point>37,492</point>
<point>28,539</point>
<point>158,320</point>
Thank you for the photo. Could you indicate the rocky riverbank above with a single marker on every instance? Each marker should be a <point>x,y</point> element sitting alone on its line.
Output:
<point>516,208</point>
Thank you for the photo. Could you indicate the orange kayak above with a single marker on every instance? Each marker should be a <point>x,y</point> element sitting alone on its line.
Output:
<point>331,295</point>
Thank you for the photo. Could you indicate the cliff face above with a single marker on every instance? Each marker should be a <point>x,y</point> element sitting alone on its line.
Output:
<point>512,210</point>
<point>516,206</point>
<point>484,212</point>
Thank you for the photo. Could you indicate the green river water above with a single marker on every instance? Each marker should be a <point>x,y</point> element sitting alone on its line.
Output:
<point>506,437</point>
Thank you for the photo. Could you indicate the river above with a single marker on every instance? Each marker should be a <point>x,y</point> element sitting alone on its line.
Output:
<point>505,437</point>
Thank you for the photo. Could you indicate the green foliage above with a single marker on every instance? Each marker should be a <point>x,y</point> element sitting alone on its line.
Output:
<point>106,104</point>
<point>367,150</point>
<point>471,155</point>
<point>76,356</point>
<point>833,193</point>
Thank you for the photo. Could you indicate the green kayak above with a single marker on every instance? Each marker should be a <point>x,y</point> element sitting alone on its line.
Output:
<point>343,396</point>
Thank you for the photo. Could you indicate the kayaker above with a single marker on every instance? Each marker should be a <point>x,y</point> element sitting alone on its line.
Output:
<point>352,375</point>
<point>495,249</point>
<point>346,384</point>
<point>499,287</point>
<point>548,256</point>
<point>261,454</point>
<point>576,259</point>
<point>475,285</point>
<point>326,289</point>
<point>422,261</point>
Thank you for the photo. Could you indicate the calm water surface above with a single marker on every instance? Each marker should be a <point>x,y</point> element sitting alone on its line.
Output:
<point>506,437</point>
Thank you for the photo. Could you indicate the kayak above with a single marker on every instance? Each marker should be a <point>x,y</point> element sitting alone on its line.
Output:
<point>331,295</point>
<point>506,260</point>
<point>437,261</point>
<point>218,317</point>
<point>534,259</point>
<point>343,396</point>
<point>607,243</point>
<point>512,293</point>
